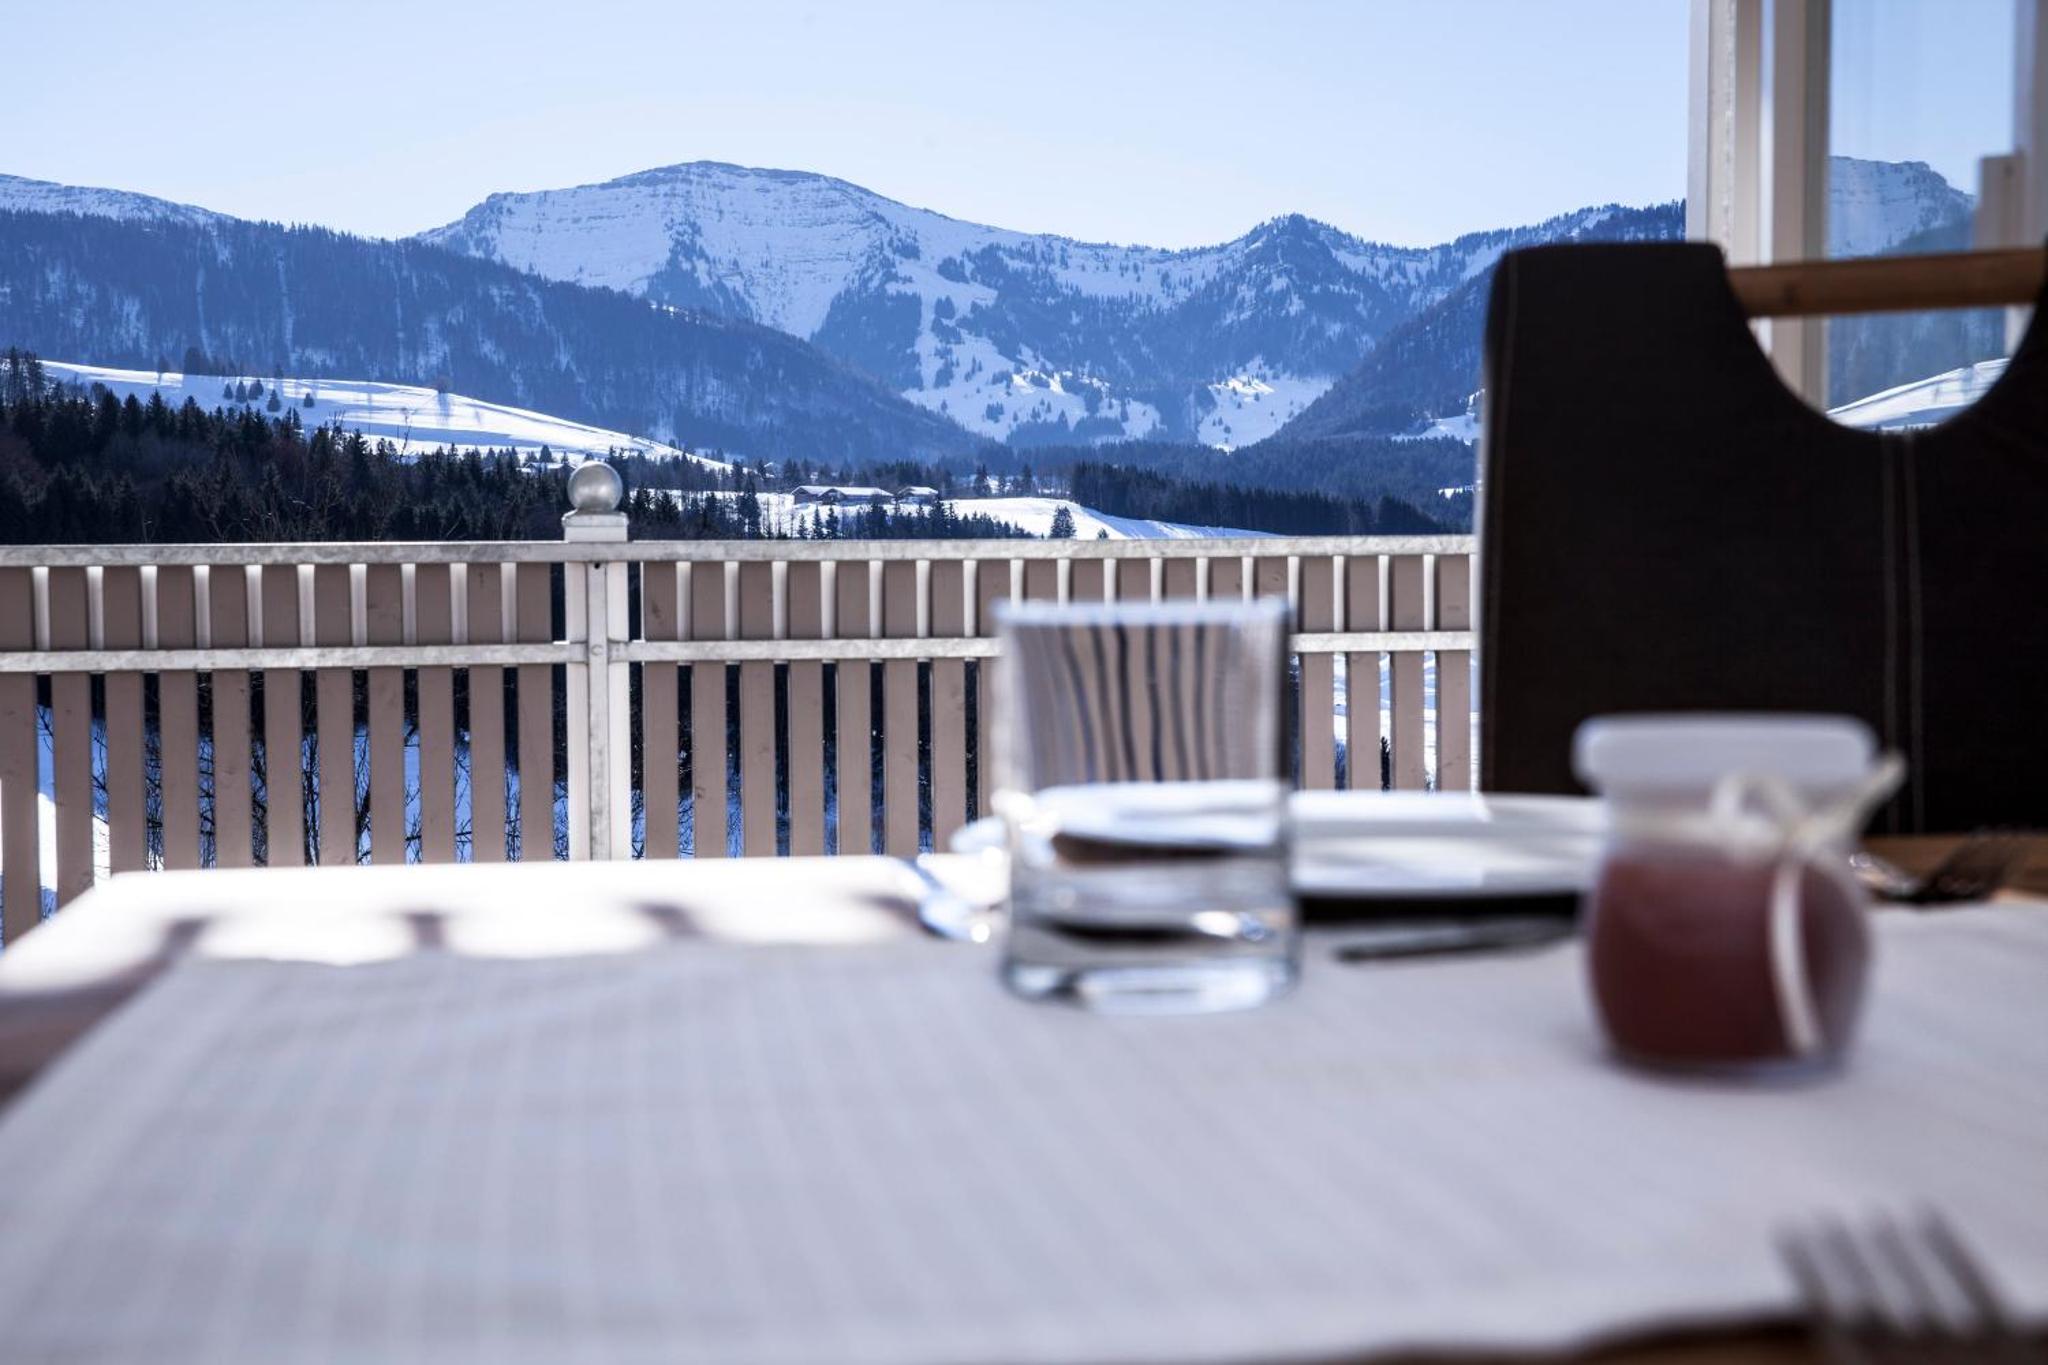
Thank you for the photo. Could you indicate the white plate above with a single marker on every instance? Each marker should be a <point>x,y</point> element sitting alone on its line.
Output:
<point>1400,845</point>
<point>1444,845</point>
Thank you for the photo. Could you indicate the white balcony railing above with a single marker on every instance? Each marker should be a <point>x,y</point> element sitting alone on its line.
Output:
<point>695,697</point>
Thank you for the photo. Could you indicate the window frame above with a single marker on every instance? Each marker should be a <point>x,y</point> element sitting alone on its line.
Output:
<point>1757,156</point>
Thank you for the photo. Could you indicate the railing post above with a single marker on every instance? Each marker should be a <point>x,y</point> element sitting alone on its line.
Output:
<point>599,728</point>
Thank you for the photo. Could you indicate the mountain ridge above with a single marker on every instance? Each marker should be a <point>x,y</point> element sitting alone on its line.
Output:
<point>1030,338</point>
<point>132,293</point>
<point>21,194</point>
<point>1038,338</point>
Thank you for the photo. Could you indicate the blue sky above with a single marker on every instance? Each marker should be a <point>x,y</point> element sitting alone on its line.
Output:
<point>1170,122</point>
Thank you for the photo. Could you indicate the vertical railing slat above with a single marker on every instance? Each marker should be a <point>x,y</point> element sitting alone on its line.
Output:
<point>584,693</point>
<point>384,624</point>
<point>484,595</point>
<point>757,712</point>
<point>71,736</point>
<point>709,792</point>
<point>533,623</point>
<point>611,721</point>
<point>434,624</point>
<point>1269,579</point>
<point>948,703</point>
<point>899,713</point>
<point>1362,675</point>
<point>660,745</point>
<point>21,892</point>
<point>284,792</point>
<point>1318,720</point>
<point>1454,676</point>
<point>227,595</point>
<point>1179,581</point>
<point>177,627</point>
<point>1405,607</point>
<point>1147,748</point>
<point>127,806</point>
<point>335,718</point>
<point>855,723</point>
<point>992,584</point>
<point>806,588</point>
<point>1099,655</point>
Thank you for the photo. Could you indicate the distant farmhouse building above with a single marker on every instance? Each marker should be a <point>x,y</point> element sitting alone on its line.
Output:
<point>827,495</point>
<point>917,493</point>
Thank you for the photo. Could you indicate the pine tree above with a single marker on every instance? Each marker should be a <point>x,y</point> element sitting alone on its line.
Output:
<point>749,509</point>
<point>1062,524</point>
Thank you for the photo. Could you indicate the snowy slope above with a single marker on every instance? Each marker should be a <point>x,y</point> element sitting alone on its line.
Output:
<point>783,244</point>
<point>1251,406</point>
<point>1031,515</point>
<point>1035,515</point>
<point>417,420</point>
<point>1873,206</point>
<point>1924,402</point>
<point>1463,427</point>
<point>22,195</point>
<point>412,418</point>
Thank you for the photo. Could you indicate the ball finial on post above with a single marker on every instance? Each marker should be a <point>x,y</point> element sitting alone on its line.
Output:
<point>595,487</point>
<point>595,490</point>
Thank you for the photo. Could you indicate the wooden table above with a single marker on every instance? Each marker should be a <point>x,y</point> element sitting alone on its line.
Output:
<point>1919,853</point>
<point>75,970</point>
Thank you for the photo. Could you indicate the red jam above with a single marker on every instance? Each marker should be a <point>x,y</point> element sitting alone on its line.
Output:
<point>1684,971</point>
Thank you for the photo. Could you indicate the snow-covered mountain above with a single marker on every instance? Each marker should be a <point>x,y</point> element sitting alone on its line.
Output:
<point>1036,338</point>
<point>1419,377</point>
<point>1030,338</point>
<point>1874,206</point>
<point>227,294</point>
<point>21,195</point>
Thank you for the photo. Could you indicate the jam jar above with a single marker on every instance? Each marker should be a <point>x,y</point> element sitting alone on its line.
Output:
<point>1724,929</point>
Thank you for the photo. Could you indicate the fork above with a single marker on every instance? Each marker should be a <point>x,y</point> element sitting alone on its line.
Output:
<point>944,912</point>
<point>1900,1293</point>
<point>1973,871</point>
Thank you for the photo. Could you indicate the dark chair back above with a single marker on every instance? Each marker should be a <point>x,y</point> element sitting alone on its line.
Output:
<point>1664,526</point>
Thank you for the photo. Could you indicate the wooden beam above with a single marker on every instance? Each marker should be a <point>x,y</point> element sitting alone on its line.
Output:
<point>1888,284</point>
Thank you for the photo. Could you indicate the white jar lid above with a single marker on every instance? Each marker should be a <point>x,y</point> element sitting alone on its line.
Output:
<point>1692,752</point>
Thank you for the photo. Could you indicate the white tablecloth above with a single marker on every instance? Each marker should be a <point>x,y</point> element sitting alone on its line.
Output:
<point>706,1152</point>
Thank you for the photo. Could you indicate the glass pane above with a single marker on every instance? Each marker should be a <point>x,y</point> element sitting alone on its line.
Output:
<point>1919,93</point>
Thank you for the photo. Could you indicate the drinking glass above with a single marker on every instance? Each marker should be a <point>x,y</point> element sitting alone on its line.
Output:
<point>1139,779</point>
